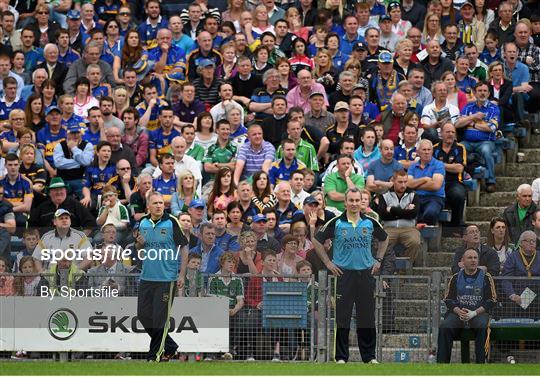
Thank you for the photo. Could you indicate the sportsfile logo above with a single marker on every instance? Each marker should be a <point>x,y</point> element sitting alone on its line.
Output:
<point>63,324</point>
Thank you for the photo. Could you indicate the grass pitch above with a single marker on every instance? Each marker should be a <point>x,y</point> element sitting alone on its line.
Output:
<point>82,368</point>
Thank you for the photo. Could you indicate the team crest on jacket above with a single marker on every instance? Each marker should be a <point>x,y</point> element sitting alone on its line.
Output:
<point>364,231</point>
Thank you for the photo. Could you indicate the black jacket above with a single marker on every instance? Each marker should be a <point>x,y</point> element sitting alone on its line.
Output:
<point>487,257</point>
<point>434,72</point>
<point>516,227</point>
<point>43,215</point>
<point>58,75</point>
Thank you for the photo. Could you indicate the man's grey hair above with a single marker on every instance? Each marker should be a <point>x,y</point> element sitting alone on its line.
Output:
<point>48,46</point>
<point>90,45</point>
<point>280,185</point>
<point>34,74</point>
<point>526,234</point>
<point>271,71</point>
<point>523,187</point>
<point>425,141</point>
<point>345,74</point>
<point>434,85</point>
<point>144,175</point>
<point>107,129</point>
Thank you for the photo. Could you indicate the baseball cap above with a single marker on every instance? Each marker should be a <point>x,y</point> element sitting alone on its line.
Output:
<point>61,211</point>
<point>316,94</point>
<point>258,217</point>
<point>385,18</point>
<point>73,14</point>
<point>74,128</point>
<point>359,46</point>
<point>206,63</point>
<point>392,5</point>
<point>360,85</point>
<point>386,57</point>
<point>467,3</point>
<point>341,105</point>
<point>197,203</point>
<point>310,200</point>
<point>50,109</point>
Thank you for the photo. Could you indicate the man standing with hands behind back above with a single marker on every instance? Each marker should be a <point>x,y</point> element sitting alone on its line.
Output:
<point>159,231</point>
<point>353,264</point>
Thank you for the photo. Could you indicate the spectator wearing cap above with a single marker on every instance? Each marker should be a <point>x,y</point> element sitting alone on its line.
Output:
<point>317,115</point>
<point>435,64</point>
<point>76,34</point>
<point>413,11</point>
<point>207,84</point>
<point>62,237</point>
<point>471,30</point>
<point>338,183</point>
<point>299,96</point>
<point>481,121</point>
<point>351,36</point>
<point>426,176</point>
<point>392,117</point>
<point>359,53</point>
<point>203,52</point>
<point>388,39</point>
<point>197,212</point>
<point>71,156</point>
<point>399,25</point>
<point>342,129</point>
<point>385,83</point>
<point>259,226</point>
<point>50,135</point>
<point>42,216</point>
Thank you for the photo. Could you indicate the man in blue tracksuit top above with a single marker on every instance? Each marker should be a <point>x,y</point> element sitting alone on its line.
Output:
<point>351,235</point>
<point>161,244</point>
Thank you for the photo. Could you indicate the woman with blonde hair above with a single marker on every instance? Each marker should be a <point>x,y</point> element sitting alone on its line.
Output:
<point>233,12</point>
<point>325,72</point>
<point>121,100</point>
<point>293,18</point>
<point>261,22</point>
<point>336,8</point>
<point>249,259</point>
<point>227,68</point>
<point>355,67</point>
<point>402,62</point>
<point>186,191</point>
<point>432,29</point>
<point>455,96</point>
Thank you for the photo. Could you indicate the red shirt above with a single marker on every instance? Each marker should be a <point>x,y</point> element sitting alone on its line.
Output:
<point>393,132</point>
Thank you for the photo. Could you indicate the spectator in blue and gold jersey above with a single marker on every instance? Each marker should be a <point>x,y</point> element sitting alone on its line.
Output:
<point>405,152</point>
<point>159,141</point>
<point>69,118</point>
<point>170,59</point>
<point>97,175</point>
<point>10,100</point>
<point>165,183</point>
<point>282,169</point>
<point>150,108</point>
<point>17,190</point>
<point>95,130</point>
<point>50,135</point>
<point>149,29</point>
<point>205,51</point>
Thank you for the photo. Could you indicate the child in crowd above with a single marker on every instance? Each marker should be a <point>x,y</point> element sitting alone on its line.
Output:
<point>194,283</point>
<point>30,238</point>
<point>30,284</point>
<point>6,282</point>
<point>304,335</point>
<point>94,75</point>
<point>491,53</point>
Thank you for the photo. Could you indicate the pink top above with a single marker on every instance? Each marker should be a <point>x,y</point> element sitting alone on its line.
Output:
<point>295,98</point>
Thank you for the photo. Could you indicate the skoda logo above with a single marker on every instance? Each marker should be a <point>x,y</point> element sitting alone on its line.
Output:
<point>62,324</point>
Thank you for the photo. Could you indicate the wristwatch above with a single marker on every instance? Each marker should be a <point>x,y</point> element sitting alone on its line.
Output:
<point>378,259</point>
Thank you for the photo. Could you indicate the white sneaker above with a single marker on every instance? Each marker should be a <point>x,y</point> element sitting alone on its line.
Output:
<point>341,362</point>
<point>227,356</point>
<point>250,358</point>
<point>373,361</point>
<point>276,358</point>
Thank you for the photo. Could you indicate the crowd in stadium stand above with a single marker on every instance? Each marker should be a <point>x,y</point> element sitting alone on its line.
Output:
<point>253,119</point>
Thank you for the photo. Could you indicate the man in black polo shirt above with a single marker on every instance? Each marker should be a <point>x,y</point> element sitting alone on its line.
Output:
<point>245,81</point>
<point>454,156</point>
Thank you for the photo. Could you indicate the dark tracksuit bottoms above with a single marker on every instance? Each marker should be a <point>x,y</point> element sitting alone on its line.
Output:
<point>356,288</point>
<point>153,310</point>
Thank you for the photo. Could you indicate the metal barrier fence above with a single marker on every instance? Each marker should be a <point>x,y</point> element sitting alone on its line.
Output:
<point>293,317</point>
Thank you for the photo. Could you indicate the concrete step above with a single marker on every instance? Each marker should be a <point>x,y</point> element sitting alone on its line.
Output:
<point>510,184</point>
<point>427,271</point>
<point>410,308</point>
<point>412,291</point>
<point>534,142</point>
<point>475,214</point>
<point>531,154</point>
<point>411,324</point>
<point>440,259</point>
<point>530,170</point>
<point>448,244</point>
<point>405,340</point>
<point>497,199</point>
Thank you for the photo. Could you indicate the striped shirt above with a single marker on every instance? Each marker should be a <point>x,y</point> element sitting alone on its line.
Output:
<point>254,159</point>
